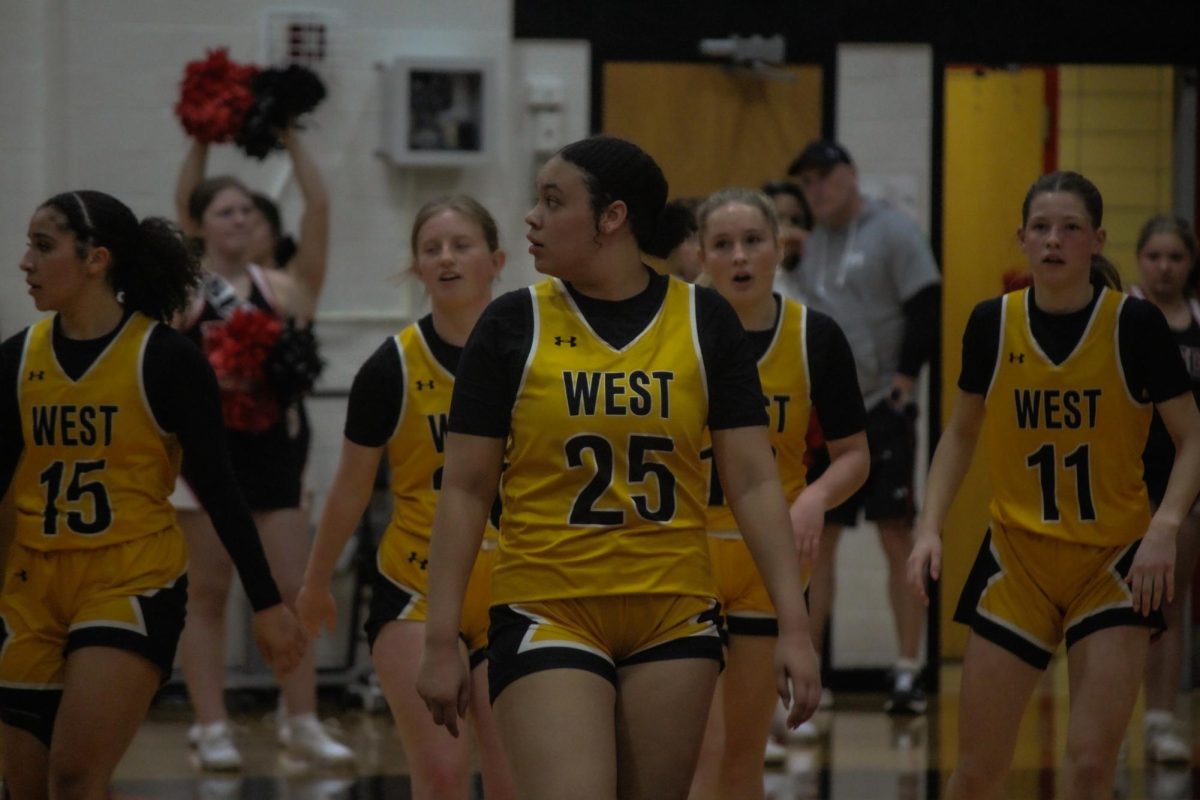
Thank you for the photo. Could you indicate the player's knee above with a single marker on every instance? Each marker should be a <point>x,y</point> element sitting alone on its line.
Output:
<point>978,776</point>
<point>72,776</point>
<point>207,601</point>
<point>445,779</point>
<point>1087,765</point>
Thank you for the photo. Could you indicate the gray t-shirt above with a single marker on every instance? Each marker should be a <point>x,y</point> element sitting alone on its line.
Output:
<point>862,275</point>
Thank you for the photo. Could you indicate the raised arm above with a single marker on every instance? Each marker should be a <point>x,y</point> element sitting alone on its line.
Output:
<point>308,265</point>
<point>950,463</point>
<point>191,173</point>
<point>469,479</point>
<point>756,497</point>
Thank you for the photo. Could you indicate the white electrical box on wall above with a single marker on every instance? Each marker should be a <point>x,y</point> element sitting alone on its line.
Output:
<point>438,111</point>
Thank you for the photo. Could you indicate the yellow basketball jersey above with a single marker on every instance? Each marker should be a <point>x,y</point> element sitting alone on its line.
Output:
<point>1066,441</point>
<point>604,491</point>
<point>96,469</point>
<point>415,451</point>
<point>783,371</point>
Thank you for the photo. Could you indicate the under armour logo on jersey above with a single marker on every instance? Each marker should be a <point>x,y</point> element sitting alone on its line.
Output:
<point>422,385</point>
<point>413,558</point>
<point>37,375</point>
<point>1017,357</point>
<point>559,341</point>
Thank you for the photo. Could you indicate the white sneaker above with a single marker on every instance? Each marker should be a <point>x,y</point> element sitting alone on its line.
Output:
<point>1165,745</point>
<point>214,746</point>
<point>806,732</point>
<point>775,755</point>
<point>306,738</point>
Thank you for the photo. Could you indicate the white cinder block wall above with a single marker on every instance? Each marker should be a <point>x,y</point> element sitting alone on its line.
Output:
<point>884,118</point>
<point>86,91</point>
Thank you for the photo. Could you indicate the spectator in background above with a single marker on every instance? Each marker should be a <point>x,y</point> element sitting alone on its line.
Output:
<point>684,259</point>
<point>1166,260</point>
<point>268,436</point>
<point>870,268</point>
<point>795,220</point>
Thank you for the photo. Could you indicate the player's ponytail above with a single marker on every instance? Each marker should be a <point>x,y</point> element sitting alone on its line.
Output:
<point>1104,273</point>
<point>151,268</point>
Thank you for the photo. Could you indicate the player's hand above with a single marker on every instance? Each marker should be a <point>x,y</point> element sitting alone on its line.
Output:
<point>316,607</point>
<point>808,520</point>
<point>444,683</point>
<point>280,638</point>
<point>901,395</point>
<point>797,676</point>
<point>925,562</point>
<point>1152,575</point>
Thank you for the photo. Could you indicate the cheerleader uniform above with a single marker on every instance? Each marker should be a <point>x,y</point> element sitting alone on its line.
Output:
<point>269,463</point>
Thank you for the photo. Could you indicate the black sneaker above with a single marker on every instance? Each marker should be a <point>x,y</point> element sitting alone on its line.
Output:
<point>908,697</point>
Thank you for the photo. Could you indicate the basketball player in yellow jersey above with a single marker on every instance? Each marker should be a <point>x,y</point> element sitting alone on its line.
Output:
<point>399,403</point>
<point>597,385</point>
<point>1062,378</point>
<point>805,364</point>
<point>99,400</point>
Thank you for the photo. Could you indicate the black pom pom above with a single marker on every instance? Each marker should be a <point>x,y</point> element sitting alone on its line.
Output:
<point>280,97</point>
<point>294,363</point>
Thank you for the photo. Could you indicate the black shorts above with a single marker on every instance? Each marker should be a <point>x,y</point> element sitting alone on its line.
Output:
<point>888,491</point>
<point>600,635</point>
<point>392,603</point>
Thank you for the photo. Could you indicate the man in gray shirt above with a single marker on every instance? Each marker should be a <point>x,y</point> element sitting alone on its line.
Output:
<point>870,267</point>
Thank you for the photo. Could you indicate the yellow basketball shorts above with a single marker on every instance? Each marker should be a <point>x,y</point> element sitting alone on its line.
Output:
<point>1026,592</point>
<point>401,582</point>
<point>740,589</point>
<point>599,634</point>
<point>130,596</point>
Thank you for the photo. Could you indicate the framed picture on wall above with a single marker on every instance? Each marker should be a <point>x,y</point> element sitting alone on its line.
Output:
<point>437,111</point>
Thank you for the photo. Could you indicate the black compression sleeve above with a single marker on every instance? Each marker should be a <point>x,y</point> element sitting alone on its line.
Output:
<point>836,396</point>
<point>12,442</point>
<point>485,385</point>
<point>1150,358</point>
<point>980,348</point>
<point>183,396</point>
<point>922,325</point>
<point>735,396</point>
<point>376,397</point>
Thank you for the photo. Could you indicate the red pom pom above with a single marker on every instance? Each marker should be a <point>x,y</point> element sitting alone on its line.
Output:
<point>237,348</point>
<point>214,97</point>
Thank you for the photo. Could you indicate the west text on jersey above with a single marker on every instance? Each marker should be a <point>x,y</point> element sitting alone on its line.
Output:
<point>622,392</point>
<point>1056,408</point>
<point>72,425</point>
<point>437,429</point>
<point>777,410</point>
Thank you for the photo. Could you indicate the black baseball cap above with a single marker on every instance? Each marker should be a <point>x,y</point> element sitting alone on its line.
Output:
<point>821,154</point>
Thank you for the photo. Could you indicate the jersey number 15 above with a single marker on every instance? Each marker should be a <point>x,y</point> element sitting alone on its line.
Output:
<point>79,488</point>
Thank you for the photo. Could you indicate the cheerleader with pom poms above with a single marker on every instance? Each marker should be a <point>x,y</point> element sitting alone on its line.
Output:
<point>252,317</point>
